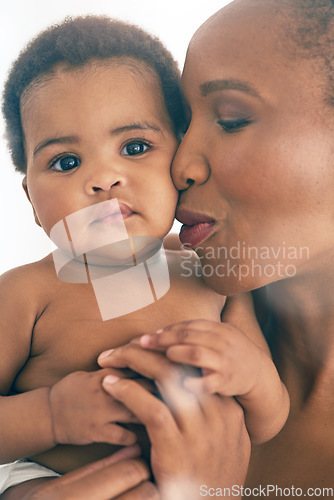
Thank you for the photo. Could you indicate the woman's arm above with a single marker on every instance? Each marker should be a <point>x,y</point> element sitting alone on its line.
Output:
<point>122,476</point>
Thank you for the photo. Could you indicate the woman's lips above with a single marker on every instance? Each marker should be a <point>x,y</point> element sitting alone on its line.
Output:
<point>196,227</point>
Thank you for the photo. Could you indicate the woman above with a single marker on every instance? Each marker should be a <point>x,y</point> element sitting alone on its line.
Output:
<point>258,161</point>
<point>256,167</point>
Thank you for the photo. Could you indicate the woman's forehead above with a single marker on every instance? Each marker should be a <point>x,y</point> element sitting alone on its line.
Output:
<point>250,41</point>
<point>244,27</point>
<point>254,46</point>
<point>282,29</point>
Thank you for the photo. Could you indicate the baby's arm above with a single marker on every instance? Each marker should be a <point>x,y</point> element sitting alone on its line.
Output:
<point>25,420</point>
<point>233,363</point>
<point>76,410</point>
<point>267,407</point>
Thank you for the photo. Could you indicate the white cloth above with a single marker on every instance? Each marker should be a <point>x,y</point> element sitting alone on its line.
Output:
<point>21,471</point>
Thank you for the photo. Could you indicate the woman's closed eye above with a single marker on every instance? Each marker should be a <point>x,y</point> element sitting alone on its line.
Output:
<point>135,148</point>
<point>64,162</point>
<point>234,125</point>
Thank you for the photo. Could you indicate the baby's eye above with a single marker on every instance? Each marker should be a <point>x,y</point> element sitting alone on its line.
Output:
<point>64,163</point>
<point>230,126</point>
<point>135,148</point>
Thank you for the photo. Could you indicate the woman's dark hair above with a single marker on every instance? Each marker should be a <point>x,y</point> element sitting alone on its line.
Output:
<point>75,42</point>
<point>309,34</point>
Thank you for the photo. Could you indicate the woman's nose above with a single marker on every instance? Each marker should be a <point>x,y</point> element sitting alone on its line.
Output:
<point>189,165</point>
<point>104,178</point>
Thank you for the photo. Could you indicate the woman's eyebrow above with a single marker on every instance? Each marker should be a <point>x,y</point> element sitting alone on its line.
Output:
<point>229,84</point>
<point>55,140</point>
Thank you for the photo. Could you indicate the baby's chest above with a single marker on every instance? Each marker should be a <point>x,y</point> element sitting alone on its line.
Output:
<point>70,333</point>
<point>63,344</point>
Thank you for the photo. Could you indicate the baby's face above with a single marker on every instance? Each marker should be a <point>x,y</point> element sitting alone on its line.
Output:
<point>99,133</point>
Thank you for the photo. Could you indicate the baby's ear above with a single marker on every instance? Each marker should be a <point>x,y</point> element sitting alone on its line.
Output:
<point>25,189</point>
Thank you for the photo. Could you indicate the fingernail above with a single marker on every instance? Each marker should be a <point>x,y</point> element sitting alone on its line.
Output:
<point>145,340</point>
<point>127,452</point>
<point>160,331</point>
<point>110,379</point>
<point>105,354</point>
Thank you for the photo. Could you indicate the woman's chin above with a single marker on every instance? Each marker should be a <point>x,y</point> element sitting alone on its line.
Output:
<point>233,282</point>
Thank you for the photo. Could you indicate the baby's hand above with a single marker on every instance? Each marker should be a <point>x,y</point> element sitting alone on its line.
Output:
<point>231,363</point>
<point>83,413</point>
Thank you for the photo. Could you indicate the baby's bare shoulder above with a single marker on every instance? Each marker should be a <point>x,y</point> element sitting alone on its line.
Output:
<point>26,285</point>
<point>29,276</point>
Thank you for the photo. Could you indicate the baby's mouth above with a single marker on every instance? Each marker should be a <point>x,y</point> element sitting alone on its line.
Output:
<point>108,214</point>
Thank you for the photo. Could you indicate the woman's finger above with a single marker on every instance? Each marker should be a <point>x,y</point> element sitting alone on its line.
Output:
<point>181,413</point>
<point>106,478</point>
<point>145,491</point>
<point>152,412</point>
<point>109,482</point>
<point>210,384</point>
<point>152,365</point>
<point>168,378</point>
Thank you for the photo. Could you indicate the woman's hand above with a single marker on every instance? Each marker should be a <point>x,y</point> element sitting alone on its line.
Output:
<point>122,476</point>
<point>196,439</point>
<point>232,365</point>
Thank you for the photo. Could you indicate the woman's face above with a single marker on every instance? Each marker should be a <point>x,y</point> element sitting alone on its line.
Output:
<point>255,168</point>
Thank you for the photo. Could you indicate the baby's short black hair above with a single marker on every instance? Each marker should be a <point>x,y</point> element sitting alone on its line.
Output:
<point>75,42</point>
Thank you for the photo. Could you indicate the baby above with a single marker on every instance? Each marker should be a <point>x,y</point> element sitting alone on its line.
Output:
<point>94,115</point>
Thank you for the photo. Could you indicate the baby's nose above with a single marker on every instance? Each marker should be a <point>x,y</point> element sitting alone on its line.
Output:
<point>104,178</point>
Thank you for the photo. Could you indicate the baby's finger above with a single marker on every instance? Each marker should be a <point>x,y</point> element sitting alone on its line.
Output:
<point>213,338</point>
<point>175,334</point>
<point>115,434</point>
<point>120,413</point>
<point>195,355</point>
<point>194,324</point>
